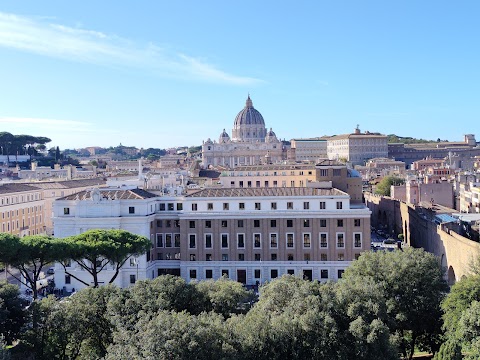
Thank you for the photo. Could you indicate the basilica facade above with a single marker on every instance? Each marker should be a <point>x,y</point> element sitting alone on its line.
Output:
<point>250,144</point>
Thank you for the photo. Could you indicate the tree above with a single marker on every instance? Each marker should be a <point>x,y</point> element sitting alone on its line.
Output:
<point>93,250</point>
<point>469,329</point>
<point>28,254</point>
<point>383,187</point>
<point>12,316</point>
<point>226,296</point>
<point>4,352</point>
<point>413,288</point>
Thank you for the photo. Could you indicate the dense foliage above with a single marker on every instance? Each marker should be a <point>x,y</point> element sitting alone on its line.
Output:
<point>383,187</point>
<point>387,304</point>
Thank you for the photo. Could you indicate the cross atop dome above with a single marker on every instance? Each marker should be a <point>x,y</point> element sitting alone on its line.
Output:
<point>249,103</point>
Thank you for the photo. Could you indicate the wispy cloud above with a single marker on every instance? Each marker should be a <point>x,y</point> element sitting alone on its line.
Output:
<point>37,35</point>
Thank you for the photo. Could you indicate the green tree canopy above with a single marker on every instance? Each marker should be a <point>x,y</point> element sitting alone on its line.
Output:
<point>412,287</point>
<point>383,187</point>
<point>12,316</point>
<point>94,249</point>
<point>28,254</point>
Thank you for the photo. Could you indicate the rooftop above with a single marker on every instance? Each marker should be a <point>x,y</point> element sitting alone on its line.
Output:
<point>15,187</point>
<point>112,194</point>
<point>258,192</point>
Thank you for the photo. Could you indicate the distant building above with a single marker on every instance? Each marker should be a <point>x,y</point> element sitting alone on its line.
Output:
<point>358,147</point>
<point>308,149</point>
<point>250,144</point>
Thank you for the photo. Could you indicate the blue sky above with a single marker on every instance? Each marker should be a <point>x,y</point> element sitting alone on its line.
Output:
<point>173,73</point>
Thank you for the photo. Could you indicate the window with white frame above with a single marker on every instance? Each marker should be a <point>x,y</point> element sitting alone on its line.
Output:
<point>306,241</point>
<point>257,240</point>
<point>323,240</point>
<point>290,240</point>
<point>208,241</point>
<point>240,241</point>
<point>273,241</point>
<point>159,240</point>
<point>340,240</point>
<point>357,240</point>
<point>224,238</point>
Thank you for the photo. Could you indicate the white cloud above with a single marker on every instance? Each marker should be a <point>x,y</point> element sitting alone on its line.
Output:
<point>36,35</point>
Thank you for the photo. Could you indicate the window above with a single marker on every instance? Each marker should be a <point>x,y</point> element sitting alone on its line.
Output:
<point>240,184</point>
<point>323,205</point>
<point>340,223</point>
<point>162,207</point>
<point>179,206</point>
<point>66,211</point>
<point>273,241</point>
<point>170,207</point>
<point>132,279</point>
<point>306,257</point>
<point>256,223</point>
<point>290,240</point>
<point>249,184</point>
<point>257,241</point>
<point>224,223</point>
<point>240,223</point>
<point>324,240</point>
<point>273,206</point>
<point>357,240</point>
<point>241,206</point>
<point>208,224</point>
<point>224,241</point>
<point>306,240</point>
<point>323,257</point>
<point>168,240</point>
<point>176,240</point>
<point>159,240</point>
<point>194,207</point>
<point>340,257</point>
<point>192,257</point>
<point>273,223</point>
<point>240,241</point>
<point>208,241</point>
<point>356,222</point>
<point>306,205</point>
<point>340,240</point>
<point>258,257</point>
<point>208,273</point>
<point>225,273</point>
<point>289,223</point>
<point>290,257</point>
<point>273,273</point>
<point>323,222</point>
<point>257,184</point>
<point>323,274</point>
<point>357,256</point>
<point>209,206</point>
<point>257,206</point>
<point>208,257</point>
<point>275,183</point>
<point>224,257</point>
<point>191,224</point>
<point>256,273</point>
<point>225,206</point>
<point>131,210</point>
<point>241,257</point>
<point>306,223</point>
<point>159,223</point>
<point>340,273</point>
<point>193,274</point>
<point>176,223</point>
<point>290,271</point>
<point>339,205</point>
<point>168,223</point>
<point>289,205</point>
<point>192,241</point>
<point>67,279</point>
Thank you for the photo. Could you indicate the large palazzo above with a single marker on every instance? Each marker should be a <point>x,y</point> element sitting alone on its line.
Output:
<point>250,144</point>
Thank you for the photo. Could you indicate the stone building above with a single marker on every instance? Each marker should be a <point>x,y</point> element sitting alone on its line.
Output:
<point>250,144</point>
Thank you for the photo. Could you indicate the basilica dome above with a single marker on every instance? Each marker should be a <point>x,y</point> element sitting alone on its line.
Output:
<point>249,125</point>
<point>249,115</point>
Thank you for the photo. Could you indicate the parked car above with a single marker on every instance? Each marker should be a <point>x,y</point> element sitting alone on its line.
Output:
<point>51,271</point>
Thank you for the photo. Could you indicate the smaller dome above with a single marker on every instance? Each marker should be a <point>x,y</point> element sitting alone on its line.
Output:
<point>224,137</point>
<point>209,141</point>
<point>271,133</point>
<point>271,137</point>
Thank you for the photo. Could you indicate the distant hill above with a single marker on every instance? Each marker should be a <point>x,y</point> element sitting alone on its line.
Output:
<point>392,138</point>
